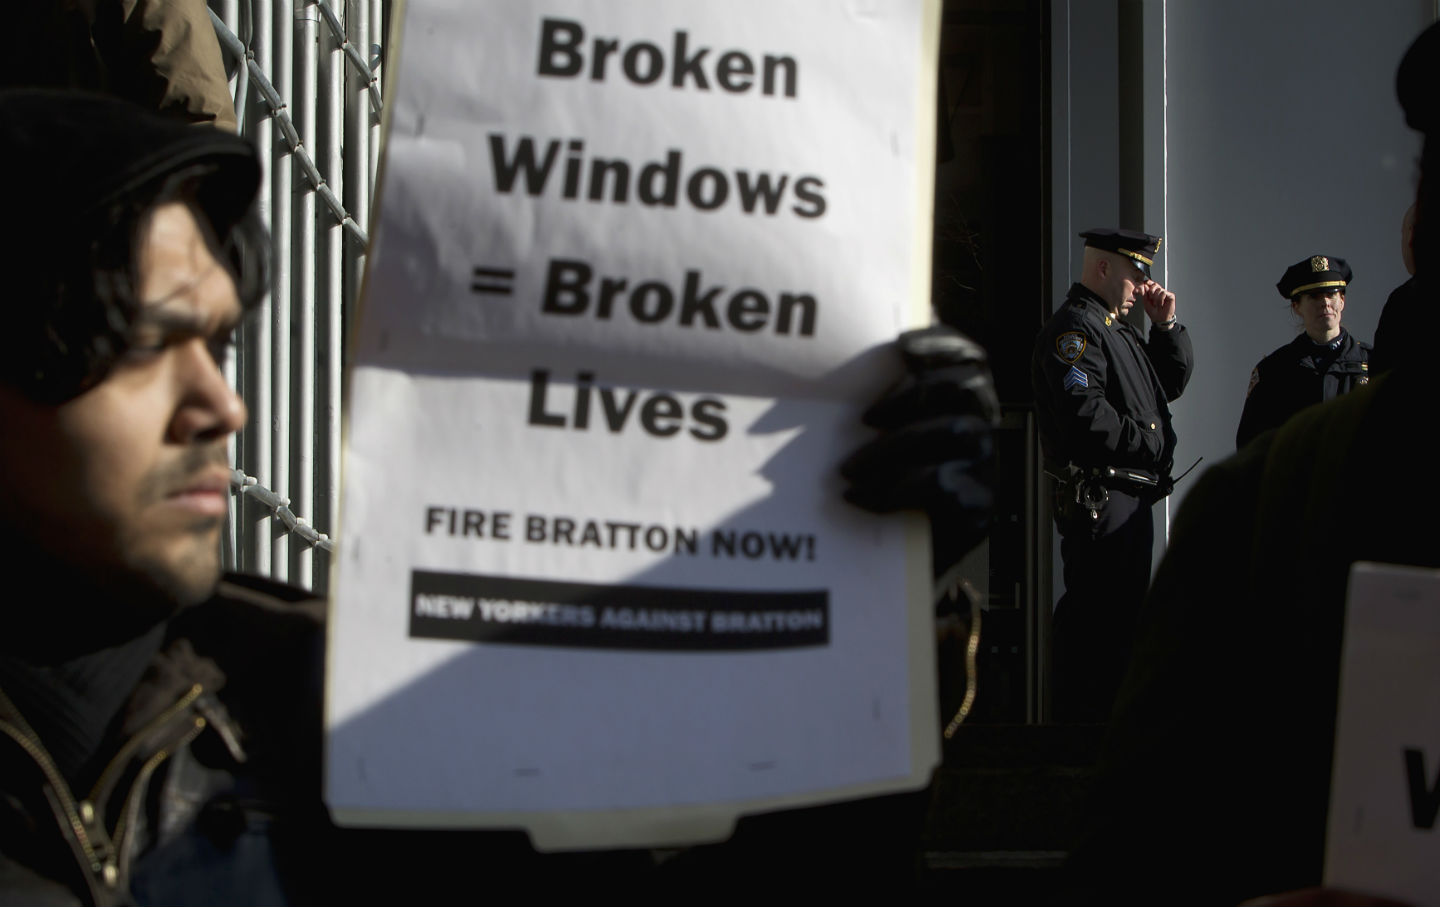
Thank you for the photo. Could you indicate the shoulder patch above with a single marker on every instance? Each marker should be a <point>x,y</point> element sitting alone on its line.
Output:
<point>1075,378</point>
<point>1070,345</point>
<point>1254,380</point>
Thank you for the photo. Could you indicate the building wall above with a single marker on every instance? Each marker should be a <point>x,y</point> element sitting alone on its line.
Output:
<point>1284,141</point>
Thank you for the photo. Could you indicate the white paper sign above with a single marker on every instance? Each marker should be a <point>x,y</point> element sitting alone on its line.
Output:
<point>633,274</point>
<point>1385,790</point>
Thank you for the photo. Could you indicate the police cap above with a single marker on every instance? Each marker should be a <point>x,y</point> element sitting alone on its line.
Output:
<point>77,172</point>
<point>1318,272</point>
<point>68,154</point>
<point>1139,247</point>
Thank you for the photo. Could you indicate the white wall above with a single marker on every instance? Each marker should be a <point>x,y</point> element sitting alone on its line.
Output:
<point>1284,141</point>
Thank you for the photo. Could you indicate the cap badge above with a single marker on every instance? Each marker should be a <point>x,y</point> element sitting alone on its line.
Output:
<point>1319,263</point>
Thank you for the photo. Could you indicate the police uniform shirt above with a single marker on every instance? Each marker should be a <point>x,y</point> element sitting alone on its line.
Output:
<point>1102,390</point>
<point>1300,374</point>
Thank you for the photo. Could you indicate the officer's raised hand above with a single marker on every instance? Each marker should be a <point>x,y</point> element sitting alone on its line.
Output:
<point>1159,304</point>
<point>935,450</point>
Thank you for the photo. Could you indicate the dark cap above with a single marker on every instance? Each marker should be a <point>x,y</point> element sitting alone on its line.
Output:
<point>1318,272</point>
<point>66,154</point>
<point>1416,78</point>
<point>77,174</point>
<point>1140,247</point>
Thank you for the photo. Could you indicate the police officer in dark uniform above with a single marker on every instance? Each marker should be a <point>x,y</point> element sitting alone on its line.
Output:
<point>1102,391</point>
<point>1322,363</point>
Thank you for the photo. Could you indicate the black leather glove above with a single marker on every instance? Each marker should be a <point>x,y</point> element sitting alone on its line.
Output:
<point>935,451</point>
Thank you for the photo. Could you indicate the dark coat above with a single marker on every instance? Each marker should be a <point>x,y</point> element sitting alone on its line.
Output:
<point>1102,391</point>
<point>212,792</point>
<point>1402,334</point>
<point>1301,373</point>
<point>215,768</point>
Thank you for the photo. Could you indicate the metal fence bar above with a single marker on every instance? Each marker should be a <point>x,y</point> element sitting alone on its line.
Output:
<point>357,59</point>
<point>306,103</point>
<point>330,289</point>
<point>288,296</point>
<point>361,125</point>
<point>258,339</point>
<point>307,94</point>
<point>283,122</point>
<point>378,37</point>
<point>230,542</point>
<point>230,13</point>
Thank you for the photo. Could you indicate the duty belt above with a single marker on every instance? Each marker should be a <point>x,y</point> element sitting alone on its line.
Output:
<point>1092,484</point>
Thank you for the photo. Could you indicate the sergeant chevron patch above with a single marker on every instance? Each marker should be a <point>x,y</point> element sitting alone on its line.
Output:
<point>1075,378</point>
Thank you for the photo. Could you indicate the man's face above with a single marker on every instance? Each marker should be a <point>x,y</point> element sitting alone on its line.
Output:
<point>129,482</point>
<point>1321,312</point>
<point>1126,280</point>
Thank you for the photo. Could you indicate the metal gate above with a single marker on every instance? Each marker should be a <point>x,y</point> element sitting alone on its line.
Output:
<point>305,76</point>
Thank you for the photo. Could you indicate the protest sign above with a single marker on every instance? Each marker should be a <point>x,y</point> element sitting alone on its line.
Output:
<point>634,275</point>
<point>1385,786</point>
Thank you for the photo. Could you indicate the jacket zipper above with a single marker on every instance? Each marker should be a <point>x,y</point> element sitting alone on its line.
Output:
<point>119,867</point>
<point>124,837</point>
<point>29,742</point>
<point>122,755</point>
<point>107,859</point>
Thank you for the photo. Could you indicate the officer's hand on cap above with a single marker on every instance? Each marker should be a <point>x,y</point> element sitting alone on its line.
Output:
<point>1159,302</point>
<point>935,452</point>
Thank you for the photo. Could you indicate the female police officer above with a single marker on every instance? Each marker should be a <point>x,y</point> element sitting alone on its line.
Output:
<point>1323,362</point>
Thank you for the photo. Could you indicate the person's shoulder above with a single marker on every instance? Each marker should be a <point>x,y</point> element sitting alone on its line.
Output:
<point>1310,440</point>
<point>263,592</point>
<point>1407,292</point>
<point>1067,336</point>
<point>1287,453</point>
<point>267,639</point>
<point>251,613</point>
<point>1075,315</point>
<point>1217,485</point>
<point>1060,322</point>
<point>1316,460</point>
